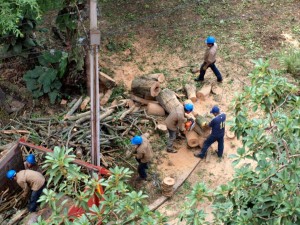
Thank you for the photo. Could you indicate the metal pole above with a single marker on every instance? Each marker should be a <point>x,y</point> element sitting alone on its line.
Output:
<point>94,84</point>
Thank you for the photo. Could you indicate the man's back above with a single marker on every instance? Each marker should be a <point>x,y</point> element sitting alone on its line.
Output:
<point>144,151</point>
<point>218,125</point>
<point>33,179</point>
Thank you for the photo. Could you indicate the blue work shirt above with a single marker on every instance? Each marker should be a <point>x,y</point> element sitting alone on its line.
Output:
<point>218,125</point>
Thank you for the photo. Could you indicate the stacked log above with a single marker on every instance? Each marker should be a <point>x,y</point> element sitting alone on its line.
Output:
<point>204,92</point>
<point>167,187</point>
<point>191,92</point>
<point>168,100</point>
<point>145,88</point>
<point>155,109</point>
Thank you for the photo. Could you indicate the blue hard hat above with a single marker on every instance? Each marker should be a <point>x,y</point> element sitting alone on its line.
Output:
<point>188,107</point>
<point>137,140</point>
<point>210,40</point>
<point>11,174</point>
<point>215,109</point>
<point>30,159</point>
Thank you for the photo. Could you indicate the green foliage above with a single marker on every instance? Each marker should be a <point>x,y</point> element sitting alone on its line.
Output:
<point>291,62</point>
<point>267,121</point>
<point>13,12</point>
<point>45,79</point>
<point>120,205</point>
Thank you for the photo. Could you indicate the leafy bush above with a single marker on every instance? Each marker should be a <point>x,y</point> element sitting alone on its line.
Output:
<point>291,62</point>
<point>119,205</point>
<point>45,79</point>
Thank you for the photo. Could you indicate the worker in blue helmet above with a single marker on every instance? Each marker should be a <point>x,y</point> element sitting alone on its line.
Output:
<point>31,164</point>
<point>210,60</point>
<point>176,121</point>
<point>143,154</point>
<point>29,181</point>
<point>217,125</point>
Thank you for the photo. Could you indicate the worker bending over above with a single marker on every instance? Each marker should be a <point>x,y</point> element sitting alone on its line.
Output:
<point>175,121</point>
<point>29,180</point>
<point>143,154</point>
<point>217,133</point>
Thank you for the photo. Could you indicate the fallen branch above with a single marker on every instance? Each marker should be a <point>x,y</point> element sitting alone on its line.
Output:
<point>74,108</point>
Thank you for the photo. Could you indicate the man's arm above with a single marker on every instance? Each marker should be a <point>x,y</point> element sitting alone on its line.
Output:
<point>25,188</point>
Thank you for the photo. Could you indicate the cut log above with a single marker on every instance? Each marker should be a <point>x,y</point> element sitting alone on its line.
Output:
<point>168,100</point>
<point>106,80</point>
<point>106,97</point>
<point>202,122</point>
<point>162,128</point>
<point>191,92</point>
<point>229,133</point>
<point>169,182</point>
<point>145,87</point>
<point>204,92</point>
<point>141,100</point>
<point>215,89</point>
<point>198,130</point>
<point>84,103</point>
<point>160,77</point>
<point>192,138</point>
<point>155,109</point>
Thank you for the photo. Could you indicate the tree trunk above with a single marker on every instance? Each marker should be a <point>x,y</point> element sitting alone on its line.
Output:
<point>168,100</point>
<point>204,92</point>
<point>106,80</point>
<point>198,130</point>
<point>160,77</point>
<point>192,138</point>
<point>155,109</point>
<point>145,87</point>
<point>191,92</point>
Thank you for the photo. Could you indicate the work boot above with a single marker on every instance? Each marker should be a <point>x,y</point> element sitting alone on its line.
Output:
<point>198,80</point>
<point>198,156</point>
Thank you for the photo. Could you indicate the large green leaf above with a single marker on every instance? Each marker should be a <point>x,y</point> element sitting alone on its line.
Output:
<point>52,56</point>
<point>47,78</point>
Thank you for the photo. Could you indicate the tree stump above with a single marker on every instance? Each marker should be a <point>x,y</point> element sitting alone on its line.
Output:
<point>229,133</point>
<point>192,138</point>
<point>191,92</point>
<point>168,100</point>
<point>145,87</point>
<point>155,109</point>
<point>167,187</point>
<point>204,92</point>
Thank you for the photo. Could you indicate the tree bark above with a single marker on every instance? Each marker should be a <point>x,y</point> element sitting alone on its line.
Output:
<point>155,109</point>
<point>191,92</point>
<point>168,100</point>
<point>145,87</point>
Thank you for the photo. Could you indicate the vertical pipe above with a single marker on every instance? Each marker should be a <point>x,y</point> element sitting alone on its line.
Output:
<point>94,86</point>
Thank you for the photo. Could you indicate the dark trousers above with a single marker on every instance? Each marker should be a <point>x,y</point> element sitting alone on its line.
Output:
<point>142,169</point>
<point>34,197</point>
<point>172,137</point>
<point>214,69</point>
<point>209,141</point>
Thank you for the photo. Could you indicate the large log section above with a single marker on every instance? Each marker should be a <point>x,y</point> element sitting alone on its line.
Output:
<point>145,88</point>
<point>168,100</point>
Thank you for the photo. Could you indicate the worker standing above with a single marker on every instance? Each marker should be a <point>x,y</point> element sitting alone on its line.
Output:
<point>175,121</point>
<point>217,134</point>
<point>210,60</point>
<point>143,154</point>
<point>31,164</point>
<point>29,180</point>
